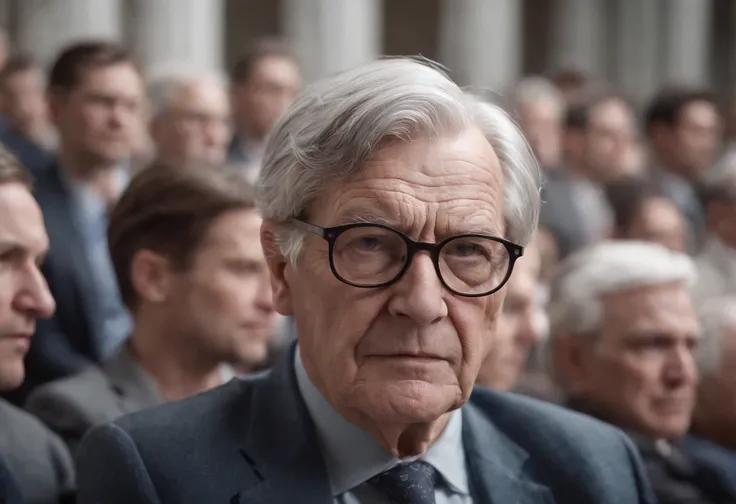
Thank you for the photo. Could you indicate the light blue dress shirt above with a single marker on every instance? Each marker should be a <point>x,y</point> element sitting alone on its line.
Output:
<point>353,456</point>
<point>90,214</point>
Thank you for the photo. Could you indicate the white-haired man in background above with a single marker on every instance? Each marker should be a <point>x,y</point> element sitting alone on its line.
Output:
<point>189,116</point>
<point>624,331</point>
<point>713,434</point>
<point>394,209</point>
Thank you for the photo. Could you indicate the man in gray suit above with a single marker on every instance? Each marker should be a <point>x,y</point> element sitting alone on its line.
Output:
<point>185,244</point>
<point>394,206</point>
<point>33,461</point>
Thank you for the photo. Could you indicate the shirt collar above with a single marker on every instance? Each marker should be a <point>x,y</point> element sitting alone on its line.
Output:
<point>353,456</point>
<point>90,203</point>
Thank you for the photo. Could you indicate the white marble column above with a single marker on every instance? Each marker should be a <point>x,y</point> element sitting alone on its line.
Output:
<point>686,41</point>
<point>46,26</point>
<point>176,32</point>
<point>480,42</point>
<point>637,54</point>
<point>579,36</point>
<point>329,36</point>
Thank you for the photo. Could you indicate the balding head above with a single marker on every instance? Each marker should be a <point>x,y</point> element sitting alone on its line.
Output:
<point>190,117</point>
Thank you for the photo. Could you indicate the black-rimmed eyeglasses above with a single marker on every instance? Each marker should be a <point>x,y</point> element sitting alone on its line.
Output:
<point>373,255</point>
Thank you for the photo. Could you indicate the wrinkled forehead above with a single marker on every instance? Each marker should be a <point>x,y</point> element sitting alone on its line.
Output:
<point>664,309</point>
<point>455,182</point>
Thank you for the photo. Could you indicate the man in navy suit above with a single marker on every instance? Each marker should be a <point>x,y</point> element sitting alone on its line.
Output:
<point>394,206</point>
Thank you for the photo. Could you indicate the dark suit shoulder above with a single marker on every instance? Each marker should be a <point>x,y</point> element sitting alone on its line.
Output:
<point>544,420</point>
<point>82,395</point>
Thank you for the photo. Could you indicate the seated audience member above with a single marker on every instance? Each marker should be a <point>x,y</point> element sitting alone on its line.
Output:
<point>34,463</point>
<point>518,327</point>
<point>190,118</point>
<point>95,92</point>
<point>717,260</point>
<point>395,206</point>
<point>623,331</point>
<point>642,213</point>
<point>23,105</point>
<point>683,127</point>
<point>713,433</point>
<point>185,243</point>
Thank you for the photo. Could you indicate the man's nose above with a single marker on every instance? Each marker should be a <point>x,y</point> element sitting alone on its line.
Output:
<point>35,298</point>
<point>419,293</point>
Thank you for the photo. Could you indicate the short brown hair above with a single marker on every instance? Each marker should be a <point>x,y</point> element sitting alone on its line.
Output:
<point>70,65</point>
<point>169,210</point>
<point>262,49</point>
<point>12,171</point>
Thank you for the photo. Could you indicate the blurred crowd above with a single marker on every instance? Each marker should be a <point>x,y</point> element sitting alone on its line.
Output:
<point>623,307</point>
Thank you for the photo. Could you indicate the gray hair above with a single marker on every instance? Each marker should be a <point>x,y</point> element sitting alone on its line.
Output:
<point>716,317</point>
<point>535,89</point>
<point>166,81</point>
<point>575,306</point>
<point>720,182</point>
<point>337,123</point>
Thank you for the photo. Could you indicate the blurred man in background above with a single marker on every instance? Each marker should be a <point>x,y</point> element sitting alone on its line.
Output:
<point>520,324</point>
<point>540,109</point>
<point>263,84</point>
<point>713,436</point>
<point>95,93</point>
<point>190,118</point>
<point>717,259</point>
<point>28,133</point>
<point>599,131</point>
<point>684,129</point>
<point>185,243</point>
<point>32,459</point>
<point>624,331</point>
<point>643,213</point>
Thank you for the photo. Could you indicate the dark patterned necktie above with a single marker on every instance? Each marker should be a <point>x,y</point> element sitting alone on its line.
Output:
<point>409,483</point>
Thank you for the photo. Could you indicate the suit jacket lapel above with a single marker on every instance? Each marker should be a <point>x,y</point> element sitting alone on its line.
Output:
<point>496,464</point>
<point>136,389</point>
<point>281,444</point>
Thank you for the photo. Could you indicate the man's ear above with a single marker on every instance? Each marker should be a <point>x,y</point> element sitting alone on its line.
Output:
<point>277,265</point>
<point>55,101</point>
<point>570,360</point>
<point>151,276</point>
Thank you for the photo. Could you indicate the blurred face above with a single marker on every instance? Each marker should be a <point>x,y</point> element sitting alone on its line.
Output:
<point>695,138</point>
<point>608,140</point>
<point>660,221</point>
<point>196,125</point>
<point>24,295</point>
<point>410,352</point>
<point>721,222</point>
<point>542,122</point>
<point>24,101</point>
<point>717,391</point>
<point>98,119</point>
<point>641,374</point>
<point>223,302</point>
<point>517,330</point>
<point>270,89</point>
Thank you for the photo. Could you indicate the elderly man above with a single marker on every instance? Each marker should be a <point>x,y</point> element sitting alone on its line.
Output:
<point>623,331</point>
<point>34,463</point>
<point>205,221</point>
<point>713,437</point>
<point>394,207</point>
<point>190,118</point>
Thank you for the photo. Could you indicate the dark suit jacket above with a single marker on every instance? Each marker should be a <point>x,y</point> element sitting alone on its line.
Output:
<point>71,406</point>
<point>9,493</point>
<point>252,441</point>
<point>64,344</point>
<point>36,458</point>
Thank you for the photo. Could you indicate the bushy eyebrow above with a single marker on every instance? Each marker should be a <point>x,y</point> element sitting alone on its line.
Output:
<point>365,216</point>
